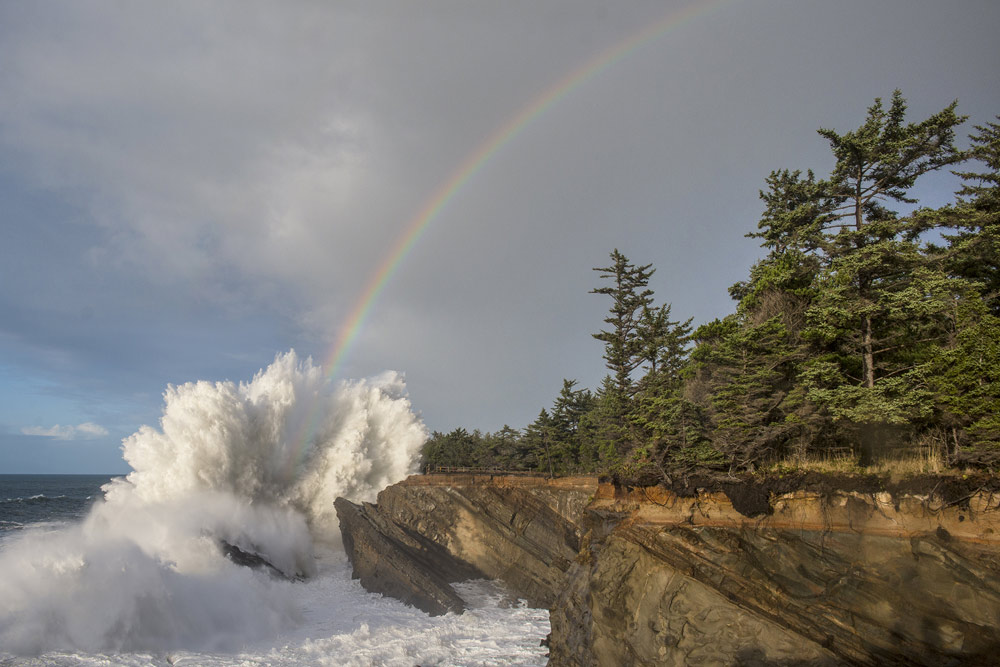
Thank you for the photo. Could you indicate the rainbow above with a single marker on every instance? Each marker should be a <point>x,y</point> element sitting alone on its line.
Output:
<point>500,137</point>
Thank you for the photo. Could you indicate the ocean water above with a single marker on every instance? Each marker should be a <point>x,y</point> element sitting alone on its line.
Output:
<point>46,500</point>
<point>131,570</point>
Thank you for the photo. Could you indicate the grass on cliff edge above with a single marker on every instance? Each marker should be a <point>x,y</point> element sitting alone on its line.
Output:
<point>920,471</point>
<point>751,493</point>
<point>921,462</point>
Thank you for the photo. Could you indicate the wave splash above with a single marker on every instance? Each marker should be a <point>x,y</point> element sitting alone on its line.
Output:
<point>255,465</point>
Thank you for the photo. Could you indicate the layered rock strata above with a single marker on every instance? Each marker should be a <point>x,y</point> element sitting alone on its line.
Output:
<point>392,560</point>
<point>645,577</point>
<point>427,532</point>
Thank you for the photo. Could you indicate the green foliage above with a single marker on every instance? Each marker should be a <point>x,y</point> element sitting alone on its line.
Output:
<point>624,345</point>
<point>458,448</point>
<point>973,250</point>
<point>912,313</point>
<point>608,426</point>
<point>781,284</point>
<point>851,331</point>
<point>868,251</point>
<point>748,372</point>
<point>880,161</point>
<point>503,450</point>
<point>569,429</point>
<point>965,381</point>
<point>664,343</point>
<point>538,438</point>
<point>796,210</point>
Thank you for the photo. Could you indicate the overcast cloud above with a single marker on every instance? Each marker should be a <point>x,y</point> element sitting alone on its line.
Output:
<point>187,189</point>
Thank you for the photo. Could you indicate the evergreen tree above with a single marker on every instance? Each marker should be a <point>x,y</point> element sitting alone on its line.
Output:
<point>796,211</point>
<point>609,431</point>
<point>623,344</point>
<point>849,325</point>
<point>505,449</point>
<point>748,373</point>
<point>874,306</point>
<point>877,164</point>
<point>663,344</point>
<point>624,347</point>
<point>965,380</point>
<point>538,436</point>
<point>459,448</point>
<point>843,315</point>
<point>912,312</point>
<point>669,425</point>
<point>567,434</point>
<point>973,251</point>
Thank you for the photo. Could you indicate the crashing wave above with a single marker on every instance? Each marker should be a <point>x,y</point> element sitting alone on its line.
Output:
<point>253,465</point>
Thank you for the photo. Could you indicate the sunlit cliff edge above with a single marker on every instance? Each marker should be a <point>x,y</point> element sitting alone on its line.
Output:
<point>637,576</point>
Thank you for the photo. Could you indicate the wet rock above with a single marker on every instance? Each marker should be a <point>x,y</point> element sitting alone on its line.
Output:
<point>252,560</point>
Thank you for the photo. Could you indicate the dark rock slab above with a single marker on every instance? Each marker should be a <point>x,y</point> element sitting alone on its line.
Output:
<point>394,561</point>
<point>507,533</point>
<point>252,560</point>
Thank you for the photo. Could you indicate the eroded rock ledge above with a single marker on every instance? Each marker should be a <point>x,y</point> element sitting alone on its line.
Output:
<point>650,576</point>
<point>427,532</point>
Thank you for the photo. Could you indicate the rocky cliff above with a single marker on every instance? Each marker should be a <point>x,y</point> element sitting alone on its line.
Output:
<point>647,576</point>
<point>429,531</point>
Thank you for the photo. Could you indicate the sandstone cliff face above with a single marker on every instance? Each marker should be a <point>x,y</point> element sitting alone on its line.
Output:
<point>848,578</point>
<point>524,531</point>
<point>392,560</point>
<point>644,577</point>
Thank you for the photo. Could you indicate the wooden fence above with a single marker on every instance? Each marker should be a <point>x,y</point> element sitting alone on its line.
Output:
<point>462,470</point>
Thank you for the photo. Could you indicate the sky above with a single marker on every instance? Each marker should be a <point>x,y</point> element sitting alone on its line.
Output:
<point>188,189</point>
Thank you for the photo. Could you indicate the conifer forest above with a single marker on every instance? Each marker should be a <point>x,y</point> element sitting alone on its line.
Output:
<point>868,333</point>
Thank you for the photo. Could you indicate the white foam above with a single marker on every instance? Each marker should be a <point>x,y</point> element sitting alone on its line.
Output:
<point>340,624</point>
<point>258,465</point>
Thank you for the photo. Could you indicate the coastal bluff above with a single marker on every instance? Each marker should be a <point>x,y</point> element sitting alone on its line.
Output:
<point>730,574</point>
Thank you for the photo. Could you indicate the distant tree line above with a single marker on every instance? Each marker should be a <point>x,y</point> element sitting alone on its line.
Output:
<point>863,328</point>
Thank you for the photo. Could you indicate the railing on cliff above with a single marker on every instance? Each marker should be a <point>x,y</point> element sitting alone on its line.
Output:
<point>449,470</point>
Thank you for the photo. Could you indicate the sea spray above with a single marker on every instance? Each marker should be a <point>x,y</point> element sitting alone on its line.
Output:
<point>256,465</point>
<point>289,437</point>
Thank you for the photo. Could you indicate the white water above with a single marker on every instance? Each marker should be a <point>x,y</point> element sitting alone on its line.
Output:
<point>142,579</point>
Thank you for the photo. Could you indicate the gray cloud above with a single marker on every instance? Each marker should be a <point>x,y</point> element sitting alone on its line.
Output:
<point>197,186</point>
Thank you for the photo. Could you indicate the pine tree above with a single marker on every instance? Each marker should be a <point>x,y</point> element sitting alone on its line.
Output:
<point>504,448</point>
<point>538,436</point>
<point>669,425</point>
<point>457,448</point>
<point>965,380</point>
<point>878,164</point>
<point>623,344</point>
<point>796,212</point>
<point>973,251</point>
<point>748,373</point>
<point>567,435</point>
<point>624,347</point>
<point>875,306</point>
<point>663,343</point>
<point>842,317</point>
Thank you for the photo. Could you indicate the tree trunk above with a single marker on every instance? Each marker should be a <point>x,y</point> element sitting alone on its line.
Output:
<point>548,457</point>
<point>867,356</point>
<point>858,200</point>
